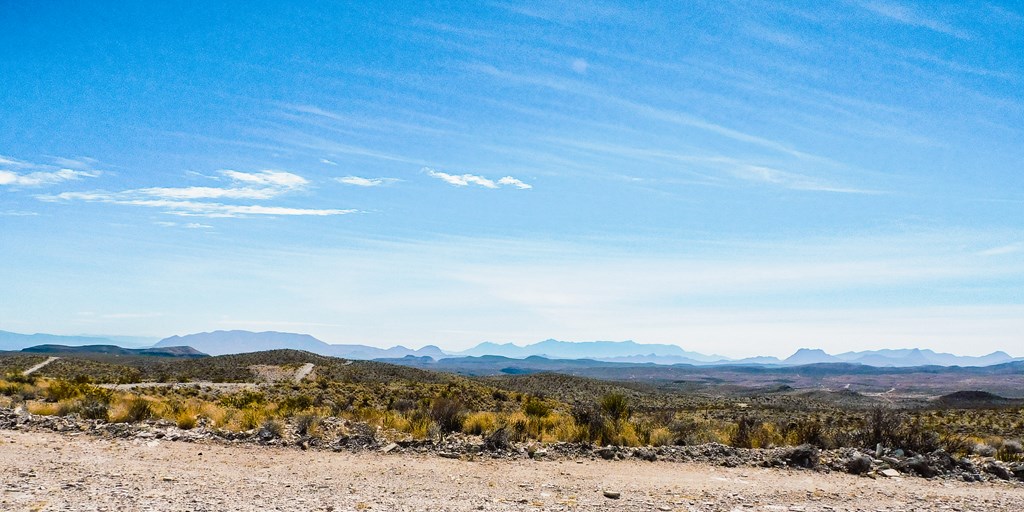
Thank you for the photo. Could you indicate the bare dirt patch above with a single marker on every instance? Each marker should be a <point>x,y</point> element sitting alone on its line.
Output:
<point>51,471</point>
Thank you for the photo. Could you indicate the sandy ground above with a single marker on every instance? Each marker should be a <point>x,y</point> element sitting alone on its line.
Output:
<point>51,471</point>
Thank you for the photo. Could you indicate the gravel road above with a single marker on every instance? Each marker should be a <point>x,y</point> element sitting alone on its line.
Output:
<point>52,471</point>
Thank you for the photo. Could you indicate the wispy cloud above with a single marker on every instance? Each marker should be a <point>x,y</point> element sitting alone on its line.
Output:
<point>32,174</point>
<point>258,185</point>
<point>187,225</point>
<point>515,182</point>
<point>1003,249</point>
<point>17,213</point>
<point>192,208</point>
<point>40,178</point>
<point>464,180</point>
<point>365,182</point>
<point>909,16</point>
<point>186,201</point>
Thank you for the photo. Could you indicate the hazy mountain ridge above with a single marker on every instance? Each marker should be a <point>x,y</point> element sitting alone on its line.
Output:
<point>235,342</point>
<point>622,352</point>
<point>599,350</point>
<point>16,341</point>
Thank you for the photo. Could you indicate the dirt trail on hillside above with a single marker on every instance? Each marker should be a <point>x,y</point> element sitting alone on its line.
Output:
<point>51,471</point>
<point>39,366</point>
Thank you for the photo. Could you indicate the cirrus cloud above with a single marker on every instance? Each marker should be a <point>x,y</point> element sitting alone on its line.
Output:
<point>365,182</point>
<point>188,201</point>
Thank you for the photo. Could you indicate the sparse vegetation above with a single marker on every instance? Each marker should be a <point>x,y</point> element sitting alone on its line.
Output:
<point>540,407</point>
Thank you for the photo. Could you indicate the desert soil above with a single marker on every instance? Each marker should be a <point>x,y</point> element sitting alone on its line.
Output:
<point>52,471</point>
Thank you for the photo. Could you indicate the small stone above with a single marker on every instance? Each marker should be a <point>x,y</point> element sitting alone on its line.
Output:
<point>612,494</point>
<point>889,473</point>
<point>390,448</point>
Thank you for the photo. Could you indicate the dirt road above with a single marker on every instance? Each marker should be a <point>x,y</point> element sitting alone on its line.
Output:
<point>39,366</point>
<point>51,471</point>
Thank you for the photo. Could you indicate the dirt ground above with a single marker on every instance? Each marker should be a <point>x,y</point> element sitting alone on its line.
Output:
<point>51,471</point>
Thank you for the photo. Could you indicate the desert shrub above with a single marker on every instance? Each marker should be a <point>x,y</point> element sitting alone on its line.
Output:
<point>882,427</point>
<point>307,424</point>
<point>93,408</point>
<point>271,429</point>
<point>518,426</point>
<point>294,404</point>
<point>448,414</point>
<point>244,398</point>
<point>43,408</point>
<point>1010,451</point>
<point>536,408</point>
<point>742,436</point>
<point>252,417</point>
<point>20,378</point>
<point>616,407</point>
<point>11,388</point>
<point>58,390</point>
<point>915,435</point>
<point>185,420</point>
<point>396,421</point>
<point>134,410</point>
<point>811,432</point>
<point>403,405</point>
<point>593,426</point>
<point>479,423</point>
<point>661,436</point>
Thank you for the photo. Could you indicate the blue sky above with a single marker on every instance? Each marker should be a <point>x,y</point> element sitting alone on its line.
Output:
<point>733,177</point>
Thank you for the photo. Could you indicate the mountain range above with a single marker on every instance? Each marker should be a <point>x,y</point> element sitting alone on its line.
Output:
<point>233,342</point>
<point>630,352</point>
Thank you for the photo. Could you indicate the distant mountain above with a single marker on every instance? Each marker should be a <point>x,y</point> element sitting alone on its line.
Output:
<point>16,341</point>
<point>811,356</point>
<point>236,342</point>
<point>921,357</point>
<point>597,350</point>
<point>183,352</point>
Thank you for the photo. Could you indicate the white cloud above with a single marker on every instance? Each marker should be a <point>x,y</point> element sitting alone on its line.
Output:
<point>461,180</point>
<point>509,180</point>
<point>908,16</point>
<point>208,193</point>
<point>17,213</point>
<point>260,185</point>
<point>580,66</point>
<point>276,179</point>
<point>464,180</point>
<point>193,208</point>
<point>365,182</point>
<point>328,162</point>
<point>186,201</point>
<point>39,178</point>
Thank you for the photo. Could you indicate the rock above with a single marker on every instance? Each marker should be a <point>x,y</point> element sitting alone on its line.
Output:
<point>1000,471</point>
<point>1018,471</point>
<point>921,466</point>
<point>858,465</point>
<point>612,494</point>
<point>607,453</point>
<point>889,473</point>
<point>448,455</point>
<point>498,441</point>
<point>390,448</point>
<point>803,456</point>
<point>645,454</point>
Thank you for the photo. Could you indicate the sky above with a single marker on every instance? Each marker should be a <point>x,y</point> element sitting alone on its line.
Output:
<point>737,178</point>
